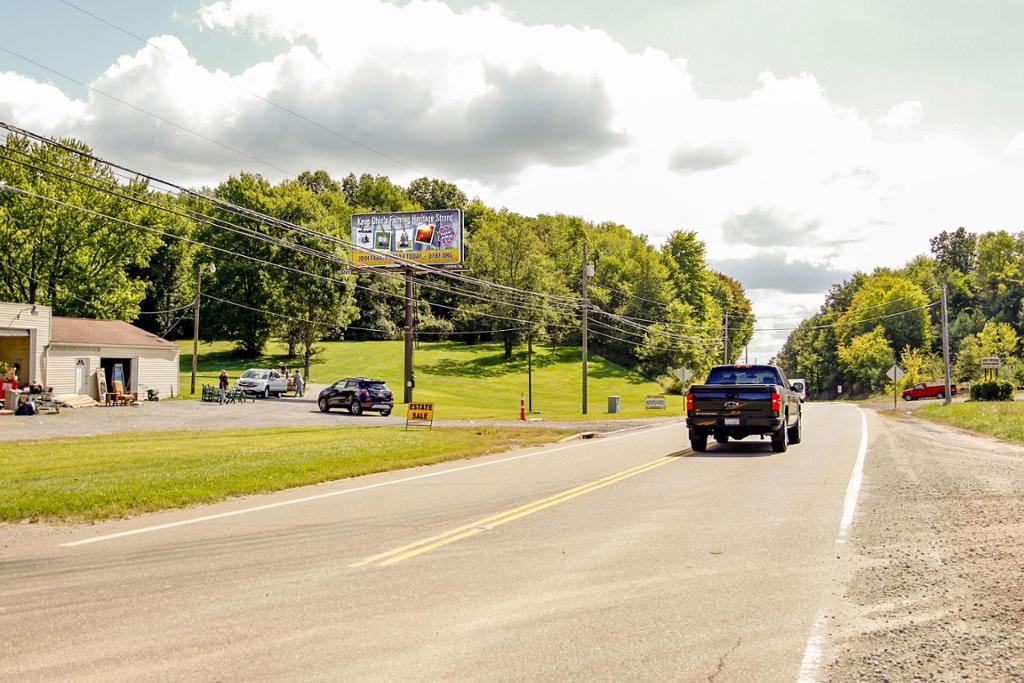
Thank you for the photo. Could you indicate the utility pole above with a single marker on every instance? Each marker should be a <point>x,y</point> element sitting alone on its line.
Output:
<point>409,324</point>
<point>529,365</point>
<point>586,306</point>
<point>726,350</point>
<point>195,321</point>
<point>945,344</point>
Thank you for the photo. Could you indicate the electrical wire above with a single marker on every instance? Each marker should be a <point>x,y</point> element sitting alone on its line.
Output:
<point>259,97</point>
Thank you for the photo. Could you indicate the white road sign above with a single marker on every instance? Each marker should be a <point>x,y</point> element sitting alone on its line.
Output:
<point>894,373</point>
<point>991,363</point>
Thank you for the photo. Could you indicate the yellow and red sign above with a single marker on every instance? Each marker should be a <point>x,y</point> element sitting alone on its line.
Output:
<point>419,414</point>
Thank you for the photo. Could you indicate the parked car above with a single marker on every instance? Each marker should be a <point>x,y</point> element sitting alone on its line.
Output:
<point>357,394</point>
<point>925,390</point>
<point>261,382</point>
<point>738,401</point>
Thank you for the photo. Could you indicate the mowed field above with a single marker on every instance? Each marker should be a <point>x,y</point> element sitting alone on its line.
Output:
<point>463,381</point>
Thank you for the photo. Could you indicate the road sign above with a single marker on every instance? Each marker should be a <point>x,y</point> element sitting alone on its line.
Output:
<point>684,375</point>
<point>894,373</point>
<point>419,415</point>
<point>655,401</point>
<point>991,362</point>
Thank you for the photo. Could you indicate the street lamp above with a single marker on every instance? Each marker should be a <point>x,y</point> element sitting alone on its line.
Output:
<point>211,269</point>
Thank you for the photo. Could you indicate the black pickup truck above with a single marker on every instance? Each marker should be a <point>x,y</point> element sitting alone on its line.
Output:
<point>738,401</point>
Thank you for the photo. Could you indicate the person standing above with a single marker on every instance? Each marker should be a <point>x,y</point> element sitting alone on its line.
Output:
<point>300,385</point>
<point>223,385</point>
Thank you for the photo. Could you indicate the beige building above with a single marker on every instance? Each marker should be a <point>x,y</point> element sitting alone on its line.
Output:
<point>70,353</point>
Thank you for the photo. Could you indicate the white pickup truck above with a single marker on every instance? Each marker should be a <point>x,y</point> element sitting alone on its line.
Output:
<point>265,383</point>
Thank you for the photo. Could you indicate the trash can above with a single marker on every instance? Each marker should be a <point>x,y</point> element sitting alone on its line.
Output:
<point>614,403</point>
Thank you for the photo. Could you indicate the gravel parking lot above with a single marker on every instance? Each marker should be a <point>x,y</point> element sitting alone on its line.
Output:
<point>280,412</point>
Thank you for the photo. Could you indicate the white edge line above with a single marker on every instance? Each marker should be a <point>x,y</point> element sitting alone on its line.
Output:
<point>853,488</point>
<point>811,662</point>
<point>331,494</point>
<point>812,653</point>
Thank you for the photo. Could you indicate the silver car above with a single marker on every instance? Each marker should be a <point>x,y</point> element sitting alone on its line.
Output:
<point>260,382</point>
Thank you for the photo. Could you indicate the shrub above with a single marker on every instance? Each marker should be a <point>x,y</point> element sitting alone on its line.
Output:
<point>992,391</point>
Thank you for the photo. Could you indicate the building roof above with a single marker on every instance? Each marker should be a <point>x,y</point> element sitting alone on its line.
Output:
<point>102,333</point>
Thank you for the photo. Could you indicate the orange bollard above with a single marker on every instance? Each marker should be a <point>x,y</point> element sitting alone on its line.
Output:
<point>522,408</point>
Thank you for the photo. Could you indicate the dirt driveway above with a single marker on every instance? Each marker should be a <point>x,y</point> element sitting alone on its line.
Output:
<point>274,412</point>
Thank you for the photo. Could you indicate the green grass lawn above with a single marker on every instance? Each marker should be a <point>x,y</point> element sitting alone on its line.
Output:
<point>463,381</point>
<point>1003,420</point>
<point>92,478</point>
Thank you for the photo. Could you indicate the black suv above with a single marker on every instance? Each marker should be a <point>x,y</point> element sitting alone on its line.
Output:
<point>357,394</point>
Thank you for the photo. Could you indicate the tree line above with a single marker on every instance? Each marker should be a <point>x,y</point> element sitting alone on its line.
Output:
<point>135,257</point>
<point>872,321</point>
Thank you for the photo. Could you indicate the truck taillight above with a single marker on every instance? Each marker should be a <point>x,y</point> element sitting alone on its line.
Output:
<point>689,402</point>
<point>776,402</point>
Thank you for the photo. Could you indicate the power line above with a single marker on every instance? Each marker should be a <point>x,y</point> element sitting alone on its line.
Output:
<point>261,98</point>
<point>207,220</point>
<point>270,220</point>
<point>147,112</point>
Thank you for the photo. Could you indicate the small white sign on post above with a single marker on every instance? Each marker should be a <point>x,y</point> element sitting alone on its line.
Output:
<point>894,373</point>
<point>991,362</point>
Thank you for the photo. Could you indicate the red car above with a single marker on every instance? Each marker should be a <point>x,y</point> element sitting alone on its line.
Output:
<point>928,391</point>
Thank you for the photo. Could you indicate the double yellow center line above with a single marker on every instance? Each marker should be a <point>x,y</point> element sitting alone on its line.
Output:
<point>479,526</point>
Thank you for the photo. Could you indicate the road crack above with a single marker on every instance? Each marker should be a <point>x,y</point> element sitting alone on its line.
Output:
<point>721,660</point>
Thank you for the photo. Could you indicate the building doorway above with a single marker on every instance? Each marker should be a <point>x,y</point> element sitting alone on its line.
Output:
<point>82,376</point>
<point>117,369</point>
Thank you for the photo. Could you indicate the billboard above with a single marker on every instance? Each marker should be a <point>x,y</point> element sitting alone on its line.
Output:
<point>388,239</point>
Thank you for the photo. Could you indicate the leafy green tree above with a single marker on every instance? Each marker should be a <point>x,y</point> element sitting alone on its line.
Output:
<point>998,339</point>
<point>376,193</point>
<point>431,193</point>
<point>319,300</point>
<point>251,285</point>
<point>888,301</point>
<point>865,358</point>
<point>506,250</point>
<point>79,263</point>
<point>955,250</point>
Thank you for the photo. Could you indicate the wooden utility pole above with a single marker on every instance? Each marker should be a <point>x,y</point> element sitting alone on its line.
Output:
<point>529,365</point>
<point>195,325</point>
<point>586,306</point>
<point>409,324</point>
<point>945,344</point>
<point>726,350</point>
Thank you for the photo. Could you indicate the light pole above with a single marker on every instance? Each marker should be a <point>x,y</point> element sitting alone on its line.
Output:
<point>195,319</point>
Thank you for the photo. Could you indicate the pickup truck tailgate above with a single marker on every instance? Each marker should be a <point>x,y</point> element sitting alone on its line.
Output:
<point>736,400</point>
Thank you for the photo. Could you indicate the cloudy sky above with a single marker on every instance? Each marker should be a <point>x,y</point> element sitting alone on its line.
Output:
<point>802,139</point>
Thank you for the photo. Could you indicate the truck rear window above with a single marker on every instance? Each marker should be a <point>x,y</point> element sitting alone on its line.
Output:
<point>752,375</point>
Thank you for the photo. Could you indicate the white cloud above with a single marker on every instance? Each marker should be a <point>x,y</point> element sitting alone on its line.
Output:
<point>543,119</point>
<point>903,115</point>
<point>1015,150</point>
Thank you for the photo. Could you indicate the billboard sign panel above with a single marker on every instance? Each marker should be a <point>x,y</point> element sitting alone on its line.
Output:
<point>416,237</point>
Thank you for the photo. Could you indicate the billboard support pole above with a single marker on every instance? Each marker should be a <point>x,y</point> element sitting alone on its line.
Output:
<point>409,322</point>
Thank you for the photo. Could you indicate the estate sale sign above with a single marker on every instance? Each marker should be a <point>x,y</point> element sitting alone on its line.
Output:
<point>407,237</point>
<point>419,414</point>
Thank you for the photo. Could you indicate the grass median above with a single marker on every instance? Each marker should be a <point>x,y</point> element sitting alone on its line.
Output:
<point>1003,420</point>
<point>100,477</point>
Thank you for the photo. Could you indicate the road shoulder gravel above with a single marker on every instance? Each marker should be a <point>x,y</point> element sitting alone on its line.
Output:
<point>937,555</point>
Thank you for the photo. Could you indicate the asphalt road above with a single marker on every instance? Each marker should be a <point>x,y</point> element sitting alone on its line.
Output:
<point>621,558</point>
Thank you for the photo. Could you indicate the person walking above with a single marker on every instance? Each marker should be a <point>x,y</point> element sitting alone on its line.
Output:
<point>300,385</point>
<point>223,385</point>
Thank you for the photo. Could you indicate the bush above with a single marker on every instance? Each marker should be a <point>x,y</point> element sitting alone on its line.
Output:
<point>992,391</point>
